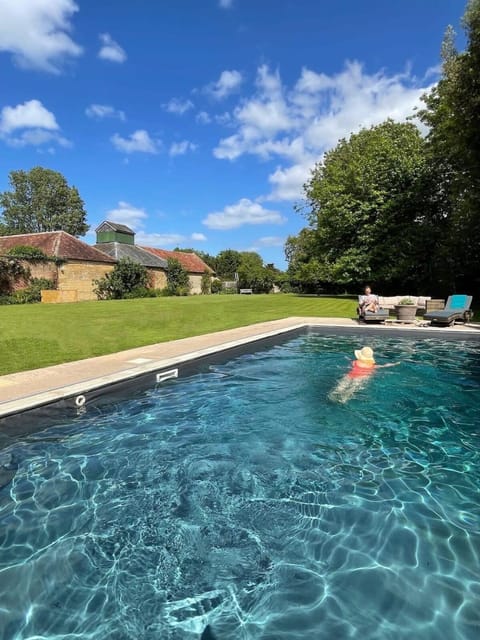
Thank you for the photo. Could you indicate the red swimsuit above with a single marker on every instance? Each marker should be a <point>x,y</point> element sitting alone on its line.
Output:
<point>356,371</point>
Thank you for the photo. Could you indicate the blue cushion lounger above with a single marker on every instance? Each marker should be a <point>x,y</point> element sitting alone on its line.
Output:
<point>457,308</point>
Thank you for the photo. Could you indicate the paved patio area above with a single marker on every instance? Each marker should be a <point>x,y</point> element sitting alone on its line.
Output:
<point>27,389</point>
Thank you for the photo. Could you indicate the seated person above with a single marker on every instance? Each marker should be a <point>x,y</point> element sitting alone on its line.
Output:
<point>368,302</point>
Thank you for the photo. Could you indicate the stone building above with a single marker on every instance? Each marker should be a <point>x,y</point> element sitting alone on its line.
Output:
<point>73,264</point>
<point>192,263</point>
<point>118,242</point>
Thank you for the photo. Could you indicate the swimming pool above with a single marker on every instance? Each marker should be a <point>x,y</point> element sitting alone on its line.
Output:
<point>241,497</point>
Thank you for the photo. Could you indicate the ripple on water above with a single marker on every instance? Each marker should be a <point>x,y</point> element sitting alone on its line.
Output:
<point>245,500</point>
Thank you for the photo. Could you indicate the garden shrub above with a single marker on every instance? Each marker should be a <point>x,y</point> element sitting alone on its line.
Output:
<point>30,294</point>
<point>206,285</point>
<point>11,270</point>
<point>178,282</point>
<point>141,292</point>
<point>125,278</point>
<point>216,286</point>
<point>24,252</point>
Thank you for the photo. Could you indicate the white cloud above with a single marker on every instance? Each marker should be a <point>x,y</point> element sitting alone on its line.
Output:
<point>37,138</point>
<point>30,123</point>
<point>225,4</point>
<point>259,119</point>
<point>138,141</point>
<point>223,118</point>
<point>203,118</point>
<point>228,82</point>
<point>177,106</point>
<point>288,181</point>
<point>160,240</point>
<point>110,49</point>
<point>198,237</point>
<point>245,211</point>
<point>181,148</point>
<point>36,32</point>
<point>100,111</point>
<point>312,82</point>
<point>271,241</point>
<point>27,115</point>
<point>433,72</point>
<point>296,126</point>
<point>126,213</point>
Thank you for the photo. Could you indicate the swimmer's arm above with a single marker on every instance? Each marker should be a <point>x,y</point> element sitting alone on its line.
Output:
<point>389,364</point>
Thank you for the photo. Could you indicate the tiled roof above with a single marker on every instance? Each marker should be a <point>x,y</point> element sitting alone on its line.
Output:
<point>59,244</point>
<point>115,226</point>
<point>189,261</point>
<point>119,250</point>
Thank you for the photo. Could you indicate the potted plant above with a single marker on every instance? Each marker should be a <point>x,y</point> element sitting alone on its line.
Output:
<point>406,310</point>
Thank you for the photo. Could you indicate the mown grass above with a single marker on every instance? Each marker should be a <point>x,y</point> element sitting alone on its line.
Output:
<point>33,336</point>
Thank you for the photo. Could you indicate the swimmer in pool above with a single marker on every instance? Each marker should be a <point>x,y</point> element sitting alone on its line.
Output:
<point>362,368</point>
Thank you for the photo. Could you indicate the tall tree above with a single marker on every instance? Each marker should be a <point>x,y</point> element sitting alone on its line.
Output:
<point>253,274</point>
<point>41,200</point>
<point>452,114</point>
<point>365,202</point>
<point>227,264</point>
<point>305,272</point>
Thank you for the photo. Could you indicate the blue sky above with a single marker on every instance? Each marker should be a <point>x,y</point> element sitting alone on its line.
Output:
<point>196,122</point>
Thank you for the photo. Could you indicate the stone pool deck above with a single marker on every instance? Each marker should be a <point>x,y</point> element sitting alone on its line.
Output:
<point>27,389</point>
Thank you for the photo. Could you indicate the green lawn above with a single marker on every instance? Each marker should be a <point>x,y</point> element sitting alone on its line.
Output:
<point>39,335</point>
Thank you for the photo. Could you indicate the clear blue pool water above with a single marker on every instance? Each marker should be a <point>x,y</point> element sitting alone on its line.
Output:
<point>243,498</point>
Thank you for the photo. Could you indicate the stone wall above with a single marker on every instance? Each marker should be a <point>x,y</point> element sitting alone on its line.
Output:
<point>49,296</point>
<point>46,270</point>
<point>195,283</point>
<point>76,276</point>
<point>79,276</point>
<point>157,278</point>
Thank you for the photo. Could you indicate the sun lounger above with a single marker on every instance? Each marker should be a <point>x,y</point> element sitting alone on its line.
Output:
<point>378,316</point>
<point>371,316</point>
<point>457,308</point>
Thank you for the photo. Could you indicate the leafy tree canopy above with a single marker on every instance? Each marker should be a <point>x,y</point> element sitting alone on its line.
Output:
<point>364,199</point>
<point>227,264</point>
<point>305,273</point>
<point>41,200</point>
<point>397,209</point>
<point>252,273</point>
<point>452,113</point>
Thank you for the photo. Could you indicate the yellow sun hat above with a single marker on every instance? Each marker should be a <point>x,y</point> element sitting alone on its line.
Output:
<point>365,355</point>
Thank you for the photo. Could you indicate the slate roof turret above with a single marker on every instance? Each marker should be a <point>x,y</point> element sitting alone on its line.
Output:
<point>114,226</point>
